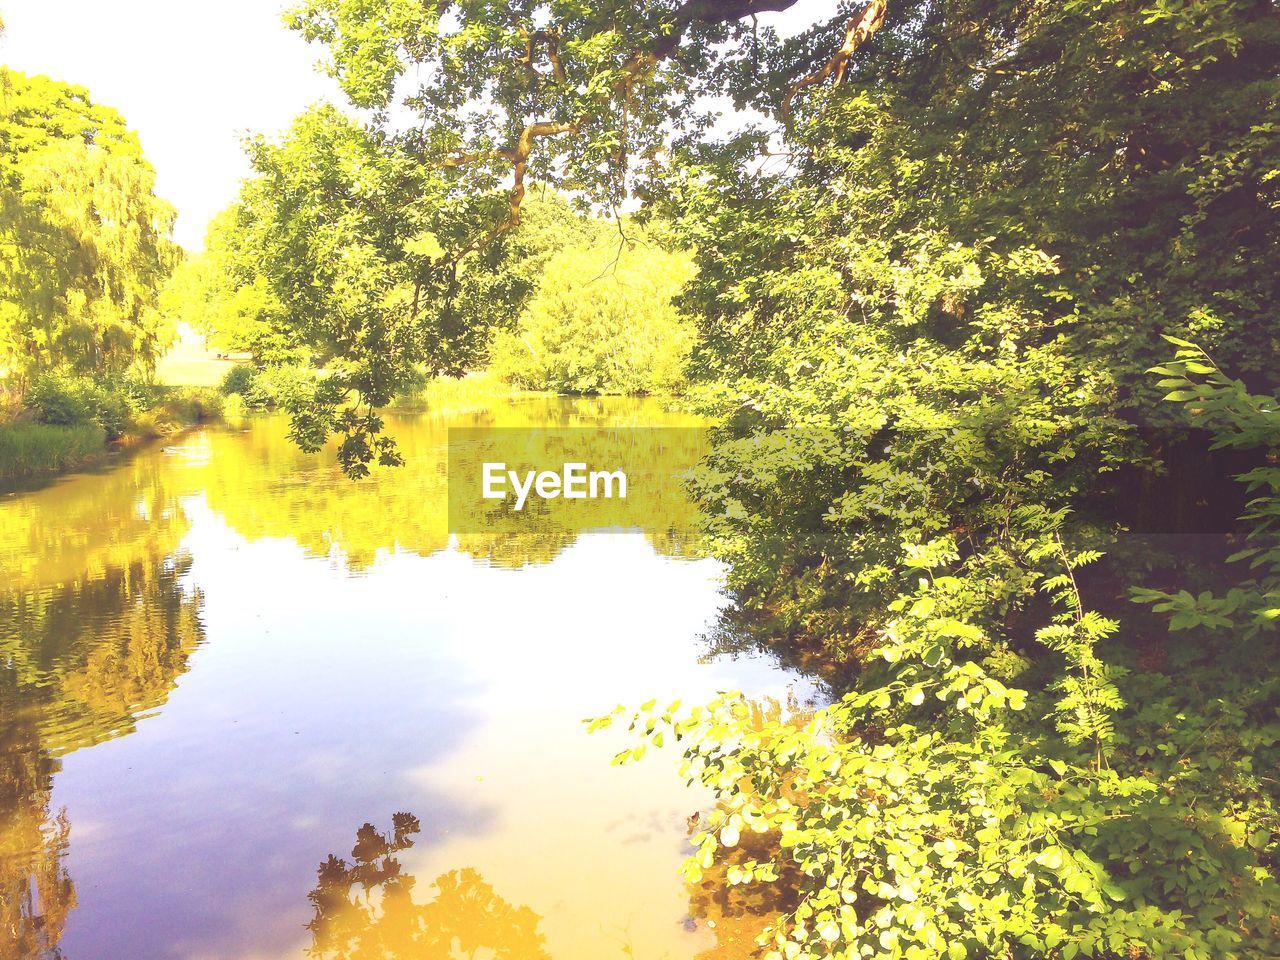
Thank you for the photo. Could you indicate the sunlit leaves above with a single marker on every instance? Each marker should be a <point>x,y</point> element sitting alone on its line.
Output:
<point>84,241</point>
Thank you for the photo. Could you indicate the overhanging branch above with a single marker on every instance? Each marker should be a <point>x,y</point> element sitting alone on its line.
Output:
<point>639,65</point>
<point>862,27</point>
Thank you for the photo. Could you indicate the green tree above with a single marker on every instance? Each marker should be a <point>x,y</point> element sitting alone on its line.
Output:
<point>84,241</point>
<point>220,293</point>
<point>602,321</point>
<point>376,231</point>
<point>927,325</point>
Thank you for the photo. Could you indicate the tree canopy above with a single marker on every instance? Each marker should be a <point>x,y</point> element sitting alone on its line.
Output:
<point>601,321</point>
<point>986,309</point>
<point>84,241</point>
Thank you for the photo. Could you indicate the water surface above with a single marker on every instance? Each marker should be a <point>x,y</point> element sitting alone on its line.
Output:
<point>249,709</point>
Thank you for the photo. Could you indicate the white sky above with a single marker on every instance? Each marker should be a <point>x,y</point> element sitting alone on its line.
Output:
<point>193,77</point>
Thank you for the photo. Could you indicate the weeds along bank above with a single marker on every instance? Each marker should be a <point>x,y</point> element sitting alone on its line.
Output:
<point>64,423</point>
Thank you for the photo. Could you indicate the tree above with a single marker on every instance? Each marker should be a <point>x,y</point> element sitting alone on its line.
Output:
<point>928,330</point>
<point>83,238</point>
<point>221,293</point>
<point>602,321</point>
<point>375,232</point>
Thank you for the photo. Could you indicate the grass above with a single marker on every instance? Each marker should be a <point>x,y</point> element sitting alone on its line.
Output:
<point>40,449</point>
<point>190,370</point>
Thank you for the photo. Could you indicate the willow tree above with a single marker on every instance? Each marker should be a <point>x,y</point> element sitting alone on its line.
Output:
<point>84,241</point>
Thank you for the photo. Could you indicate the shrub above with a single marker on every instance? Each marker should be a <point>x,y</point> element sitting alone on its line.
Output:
<point>159,421</point>
<point>281,386</point>
<point>265,388</point>
<point>58,401</point>
<point>65,401</point>
<point>601,325</point>
<point>194,405</point>
<point>239,379</point>
<point>112,410</point>
<point>233,407</point>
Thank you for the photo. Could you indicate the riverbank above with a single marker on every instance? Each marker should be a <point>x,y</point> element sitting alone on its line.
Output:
<point>35,450</point>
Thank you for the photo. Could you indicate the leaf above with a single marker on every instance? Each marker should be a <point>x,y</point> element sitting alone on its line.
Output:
<point>425,244</point>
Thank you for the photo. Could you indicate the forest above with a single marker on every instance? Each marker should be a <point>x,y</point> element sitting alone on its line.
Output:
<point>980,299</point>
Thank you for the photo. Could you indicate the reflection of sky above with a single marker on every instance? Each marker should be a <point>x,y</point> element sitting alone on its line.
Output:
<point>438,685</point>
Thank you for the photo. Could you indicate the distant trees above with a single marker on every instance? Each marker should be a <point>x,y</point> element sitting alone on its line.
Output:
<point>220,293</point>
<point>84,241</point>
<point>602,321</point>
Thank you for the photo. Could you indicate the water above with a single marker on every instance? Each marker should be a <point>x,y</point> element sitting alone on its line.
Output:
<point>222,663</point>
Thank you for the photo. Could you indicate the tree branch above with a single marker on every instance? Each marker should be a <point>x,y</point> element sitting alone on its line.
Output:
<point>519,157</point>
<point>639,65</point>
<point>862,27</point>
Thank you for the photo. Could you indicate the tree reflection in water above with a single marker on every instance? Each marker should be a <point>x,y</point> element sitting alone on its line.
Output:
<point>365,910</point>
<point>36,893</point>
<point>80,662</point>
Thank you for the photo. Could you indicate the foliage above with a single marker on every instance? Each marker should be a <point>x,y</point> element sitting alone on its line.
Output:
<point>349,281</point>
<point>932,812</point>
<point>379,236</point>
<point>221,293</point>
<point>268,388</point>
<point>239,379</point>
<point>926,325</point>
<point>348,229</point>
<point>83,238</point>
<point>601,321</point>
<point>1241,420</point>
<point>70,401</point>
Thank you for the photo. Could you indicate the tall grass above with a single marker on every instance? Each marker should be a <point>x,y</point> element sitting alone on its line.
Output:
<point>39,449</point>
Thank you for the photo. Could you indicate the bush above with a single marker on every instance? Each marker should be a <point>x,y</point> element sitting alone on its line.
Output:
<point>600,326</point>
<point>65,401</point>
<point>159,421</point>
<point>113,411</point>
<point>233,407</point>
<point>265,388</point>
<point>282,386</point>
<point>58,401</point>
<point>239,380</point>
<point>194,405</point>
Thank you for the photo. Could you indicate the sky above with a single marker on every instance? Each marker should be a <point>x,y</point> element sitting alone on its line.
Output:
<point>192,78</point>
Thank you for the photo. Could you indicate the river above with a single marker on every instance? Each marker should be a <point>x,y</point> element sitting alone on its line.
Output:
<point>250,709</point>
